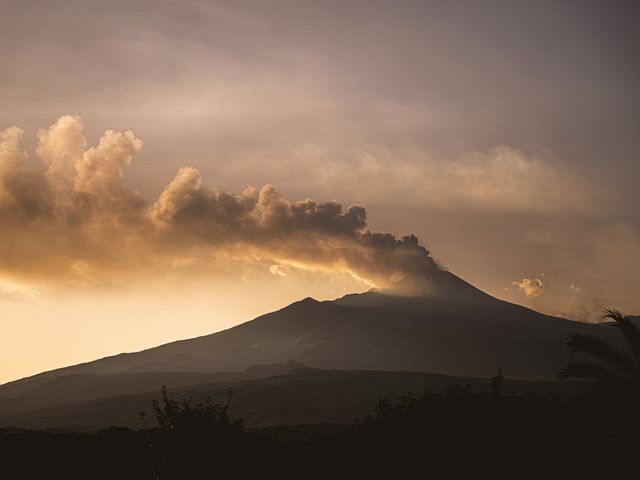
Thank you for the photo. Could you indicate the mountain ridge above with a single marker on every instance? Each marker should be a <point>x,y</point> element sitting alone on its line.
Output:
<point>371,330</point>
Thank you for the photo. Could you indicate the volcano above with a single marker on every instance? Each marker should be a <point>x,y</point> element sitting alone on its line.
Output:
<point>451,328</point>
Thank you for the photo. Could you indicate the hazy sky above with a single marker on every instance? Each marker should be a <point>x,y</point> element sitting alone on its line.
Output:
<point>505,135</point>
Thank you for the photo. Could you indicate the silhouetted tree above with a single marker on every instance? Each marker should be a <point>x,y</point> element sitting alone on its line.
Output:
<point>186,435</point>
<point>616,371</point>
<point>496,384</point>
<point>180,417</point>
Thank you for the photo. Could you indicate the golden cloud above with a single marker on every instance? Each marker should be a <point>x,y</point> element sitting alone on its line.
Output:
<point>531,287</point>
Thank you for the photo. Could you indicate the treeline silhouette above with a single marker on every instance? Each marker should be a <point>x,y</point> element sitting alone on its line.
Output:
<point>457,429</point>
<point>445,425</point>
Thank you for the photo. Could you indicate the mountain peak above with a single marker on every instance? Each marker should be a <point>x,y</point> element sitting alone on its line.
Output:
<point>308,300</point>
<point>440,285</point>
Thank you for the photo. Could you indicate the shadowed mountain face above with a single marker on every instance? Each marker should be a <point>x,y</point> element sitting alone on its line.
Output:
<point>453,329</point>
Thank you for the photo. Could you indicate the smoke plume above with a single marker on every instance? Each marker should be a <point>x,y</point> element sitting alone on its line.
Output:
<point>73,220</point>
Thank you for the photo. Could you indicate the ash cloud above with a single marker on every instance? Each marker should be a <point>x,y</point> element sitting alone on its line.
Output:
<point>74,220</point>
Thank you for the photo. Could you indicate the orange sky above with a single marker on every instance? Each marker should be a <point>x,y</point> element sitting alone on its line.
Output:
<point>505,137</point>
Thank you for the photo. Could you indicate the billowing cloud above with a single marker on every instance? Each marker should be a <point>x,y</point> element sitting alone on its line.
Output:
<point>74,220</point>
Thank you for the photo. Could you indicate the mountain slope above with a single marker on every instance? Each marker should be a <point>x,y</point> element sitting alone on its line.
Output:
<point>456,330</point>
<point>82,387</point>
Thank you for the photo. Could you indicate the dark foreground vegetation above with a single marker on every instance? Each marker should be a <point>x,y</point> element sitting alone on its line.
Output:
<point>457,430</point>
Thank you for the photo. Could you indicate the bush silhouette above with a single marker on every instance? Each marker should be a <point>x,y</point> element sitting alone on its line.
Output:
<point>187,435</point>
<point>181,418</point>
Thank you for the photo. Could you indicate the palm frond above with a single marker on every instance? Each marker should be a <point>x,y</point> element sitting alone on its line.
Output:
<point>629,329</point>
<point>600,349</point>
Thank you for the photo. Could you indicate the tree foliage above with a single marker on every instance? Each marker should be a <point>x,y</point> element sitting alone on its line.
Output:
<point>614,371</point>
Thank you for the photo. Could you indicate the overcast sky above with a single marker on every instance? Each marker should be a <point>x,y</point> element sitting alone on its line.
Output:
<point>504,134</point>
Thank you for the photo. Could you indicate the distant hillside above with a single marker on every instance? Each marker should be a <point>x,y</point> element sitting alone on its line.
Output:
<point>302,396</point>
<point>81,387</point>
